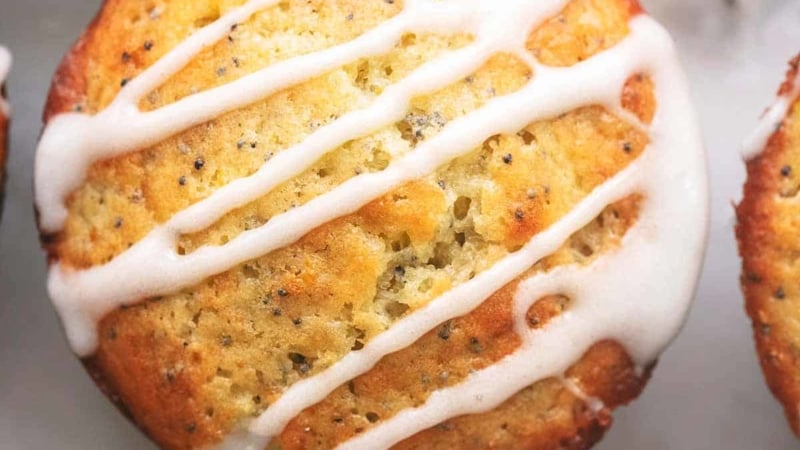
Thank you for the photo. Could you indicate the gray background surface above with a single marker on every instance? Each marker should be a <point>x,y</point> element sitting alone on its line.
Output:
<point>707,392</point>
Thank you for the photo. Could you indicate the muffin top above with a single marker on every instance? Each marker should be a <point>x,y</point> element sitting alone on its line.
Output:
<point>430,224</point>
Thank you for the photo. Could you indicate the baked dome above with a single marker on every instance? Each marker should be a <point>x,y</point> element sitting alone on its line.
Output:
<point>310,224</point>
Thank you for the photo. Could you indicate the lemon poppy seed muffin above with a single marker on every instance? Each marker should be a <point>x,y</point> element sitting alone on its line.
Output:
<point>371,224</point>
<point>767,235</point>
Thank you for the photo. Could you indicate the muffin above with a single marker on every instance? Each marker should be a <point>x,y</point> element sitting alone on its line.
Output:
<point>766,232</point>
<point>371,224</point>
<point>5,113</point>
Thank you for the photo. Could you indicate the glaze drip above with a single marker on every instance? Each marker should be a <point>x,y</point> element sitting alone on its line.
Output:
<point>661,254</point>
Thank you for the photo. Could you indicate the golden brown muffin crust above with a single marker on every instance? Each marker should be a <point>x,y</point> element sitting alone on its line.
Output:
<point>190,367</point>
<point>767,234</point>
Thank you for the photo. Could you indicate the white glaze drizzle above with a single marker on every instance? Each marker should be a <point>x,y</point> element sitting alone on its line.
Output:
<point>666,241</point>
<point>610,299</point>
<point>647,176</point>
<point>770,122</point>
<point>642,251</point>
<point>457,302</point>
<point>153,267</point>
<point>5,67</point>
<point>77,140</point>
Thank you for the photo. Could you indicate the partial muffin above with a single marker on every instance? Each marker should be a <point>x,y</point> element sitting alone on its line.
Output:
<point>767,233</point>
<point>371,224</point>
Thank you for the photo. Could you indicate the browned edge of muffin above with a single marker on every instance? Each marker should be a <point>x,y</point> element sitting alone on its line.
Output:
<point>761,280</point>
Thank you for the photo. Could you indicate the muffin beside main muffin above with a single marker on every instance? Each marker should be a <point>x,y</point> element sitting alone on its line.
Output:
<point>371,224</point>
<point>767,232</point>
